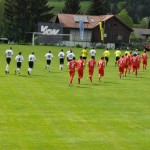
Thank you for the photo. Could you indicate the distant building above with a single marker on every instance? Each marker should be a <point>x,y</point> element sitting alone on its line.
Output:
<point>142,34</point>
<point>115,31</point>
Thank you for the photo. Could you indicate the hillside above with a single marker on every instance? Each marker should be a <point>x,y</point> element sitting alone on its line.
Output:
<point>60,4</point>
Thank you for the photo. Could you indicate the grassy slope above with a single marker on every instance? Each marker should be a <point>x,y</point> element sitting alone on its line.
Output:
<point>58,5</point>
<point>42,112</point>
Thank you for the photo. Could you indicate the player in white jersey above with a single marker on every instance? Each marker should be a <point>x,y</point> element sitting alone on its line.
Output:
<point>9,53</point>
<point>61,56</point>
<point>92,52</point>
<point>48,57</point>
<point>70,56</point>
<point>19,58</point>
<point>31,59</point>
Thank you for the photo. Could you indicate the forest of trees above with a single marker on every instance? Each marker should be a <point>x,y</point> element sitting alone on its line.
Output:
<point>19,17</point>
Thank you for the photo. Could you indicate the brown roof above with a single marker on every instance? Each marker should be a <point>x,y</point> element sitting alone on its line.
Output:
<point>68,20</point>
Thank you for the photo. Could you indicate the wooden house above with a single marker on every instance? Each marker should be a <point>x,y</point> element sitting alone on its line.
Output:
<point>115,31</point>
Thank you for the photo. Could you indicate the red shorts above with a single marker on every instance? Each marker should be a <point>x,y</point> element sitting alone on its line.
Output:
<point>101,71</point>
<point>145,62</point>
<point>121,70</point>
<point>91,71</point>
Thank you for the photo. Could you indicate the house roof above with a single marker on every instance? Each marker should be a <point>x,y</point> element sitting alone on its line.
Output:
<point>72,20</point>
<point>141,33</point>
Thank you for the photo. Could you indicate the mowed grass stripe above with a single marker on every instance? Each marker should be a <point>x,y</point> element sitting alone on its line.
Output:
<point>42,112</point>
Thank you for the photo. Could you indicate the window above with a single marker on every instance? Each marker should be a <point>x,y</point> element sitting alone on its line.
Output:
<point>92,20</point>
<point>119,37</point>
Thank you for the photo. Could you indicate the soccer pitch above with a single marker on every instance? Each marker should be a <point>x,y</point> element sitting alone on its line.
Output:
<point>41,112</point>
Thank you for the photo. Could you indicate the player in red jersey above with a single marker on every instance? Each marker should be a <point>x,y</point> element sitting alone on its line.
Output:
<point>91,65</point>
<point>101,66</point>
<point>129,64</point>
<point>126,65</point>
<point>121,64</point>
<point>144,59</point>
<point>134,62</point>
<point>80,66</point>
<point>138,61</point>
<point>72,65</point>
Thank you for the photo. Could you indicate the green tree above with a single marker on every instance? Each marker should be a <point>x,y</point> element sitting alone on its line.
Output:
<point>138,9</point>
<point>134,38</point>
<point>148,26</point>
<point>99,7</point>
<point>1,17</point>
<point>72,7</point>
<point>18,23</point>
<point>124,17</point>
<point>144,23</point>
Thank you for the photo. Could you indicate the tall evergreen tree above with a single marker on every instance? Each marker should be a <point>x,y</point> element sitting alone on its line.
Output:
<point>9,24</point>
<point>99,7</point>
<point>123,15</point>
<point>72,7</point>
<point>22,16</point>
<point>138,9</point>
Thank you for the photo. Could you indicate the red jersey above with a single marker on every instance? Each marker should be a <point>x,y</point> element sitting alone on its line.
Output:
<point>101,64</point>
<point>80,64</point>
<point>134,61</point>
<point>91,64</point>
<point>144,56</point>
<point>72,65</point>
<point>138,58</point>
<point>121,62</point>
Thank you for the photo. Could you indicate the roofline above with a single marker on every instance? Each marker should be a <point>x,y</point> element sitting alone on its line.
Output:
<point>117,19</point>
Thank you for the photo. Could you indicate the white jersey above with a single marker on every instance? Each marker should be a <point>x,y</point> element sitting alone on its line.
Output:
<point>67,52</point>
<point>70,56</point>
<point>19,58</point>
<point>92,52</point>
<point>9,53</point>
<point>49,56</point>
<point>61,55</point>
<point>32,57</point>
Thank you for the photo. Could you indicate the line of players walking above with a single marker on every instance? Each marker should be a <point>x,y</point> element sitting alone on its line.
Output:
<point>19,58</point>
<point>129,61</point>
<point>124,62</point>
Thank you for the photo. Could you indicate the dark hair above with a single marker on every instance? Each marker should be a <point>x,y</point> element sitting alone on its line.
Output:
<point>19,53</point>
<point>80,57</point>
<point>93,57</point>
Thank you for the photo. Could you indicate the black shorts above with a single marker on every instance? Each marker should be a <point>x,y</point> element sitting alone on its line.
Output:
<point>18,64</point>
<point>107,59</point>
<point>117,58</point>
<point>48,62</point>
<point>61,61</point>
<point>84,58</point>
<point>8,59</point>
<point>31,64</point>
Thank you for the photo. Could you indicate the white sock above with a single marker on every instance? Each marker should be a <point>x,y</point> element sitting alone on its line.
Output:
<point>7,67</point>
<point>48,67</point>
<point>18,70</point>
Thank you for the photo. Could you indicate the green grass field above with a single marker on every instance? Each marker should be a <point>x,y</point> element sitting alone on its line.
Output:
<point>41,112</point>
